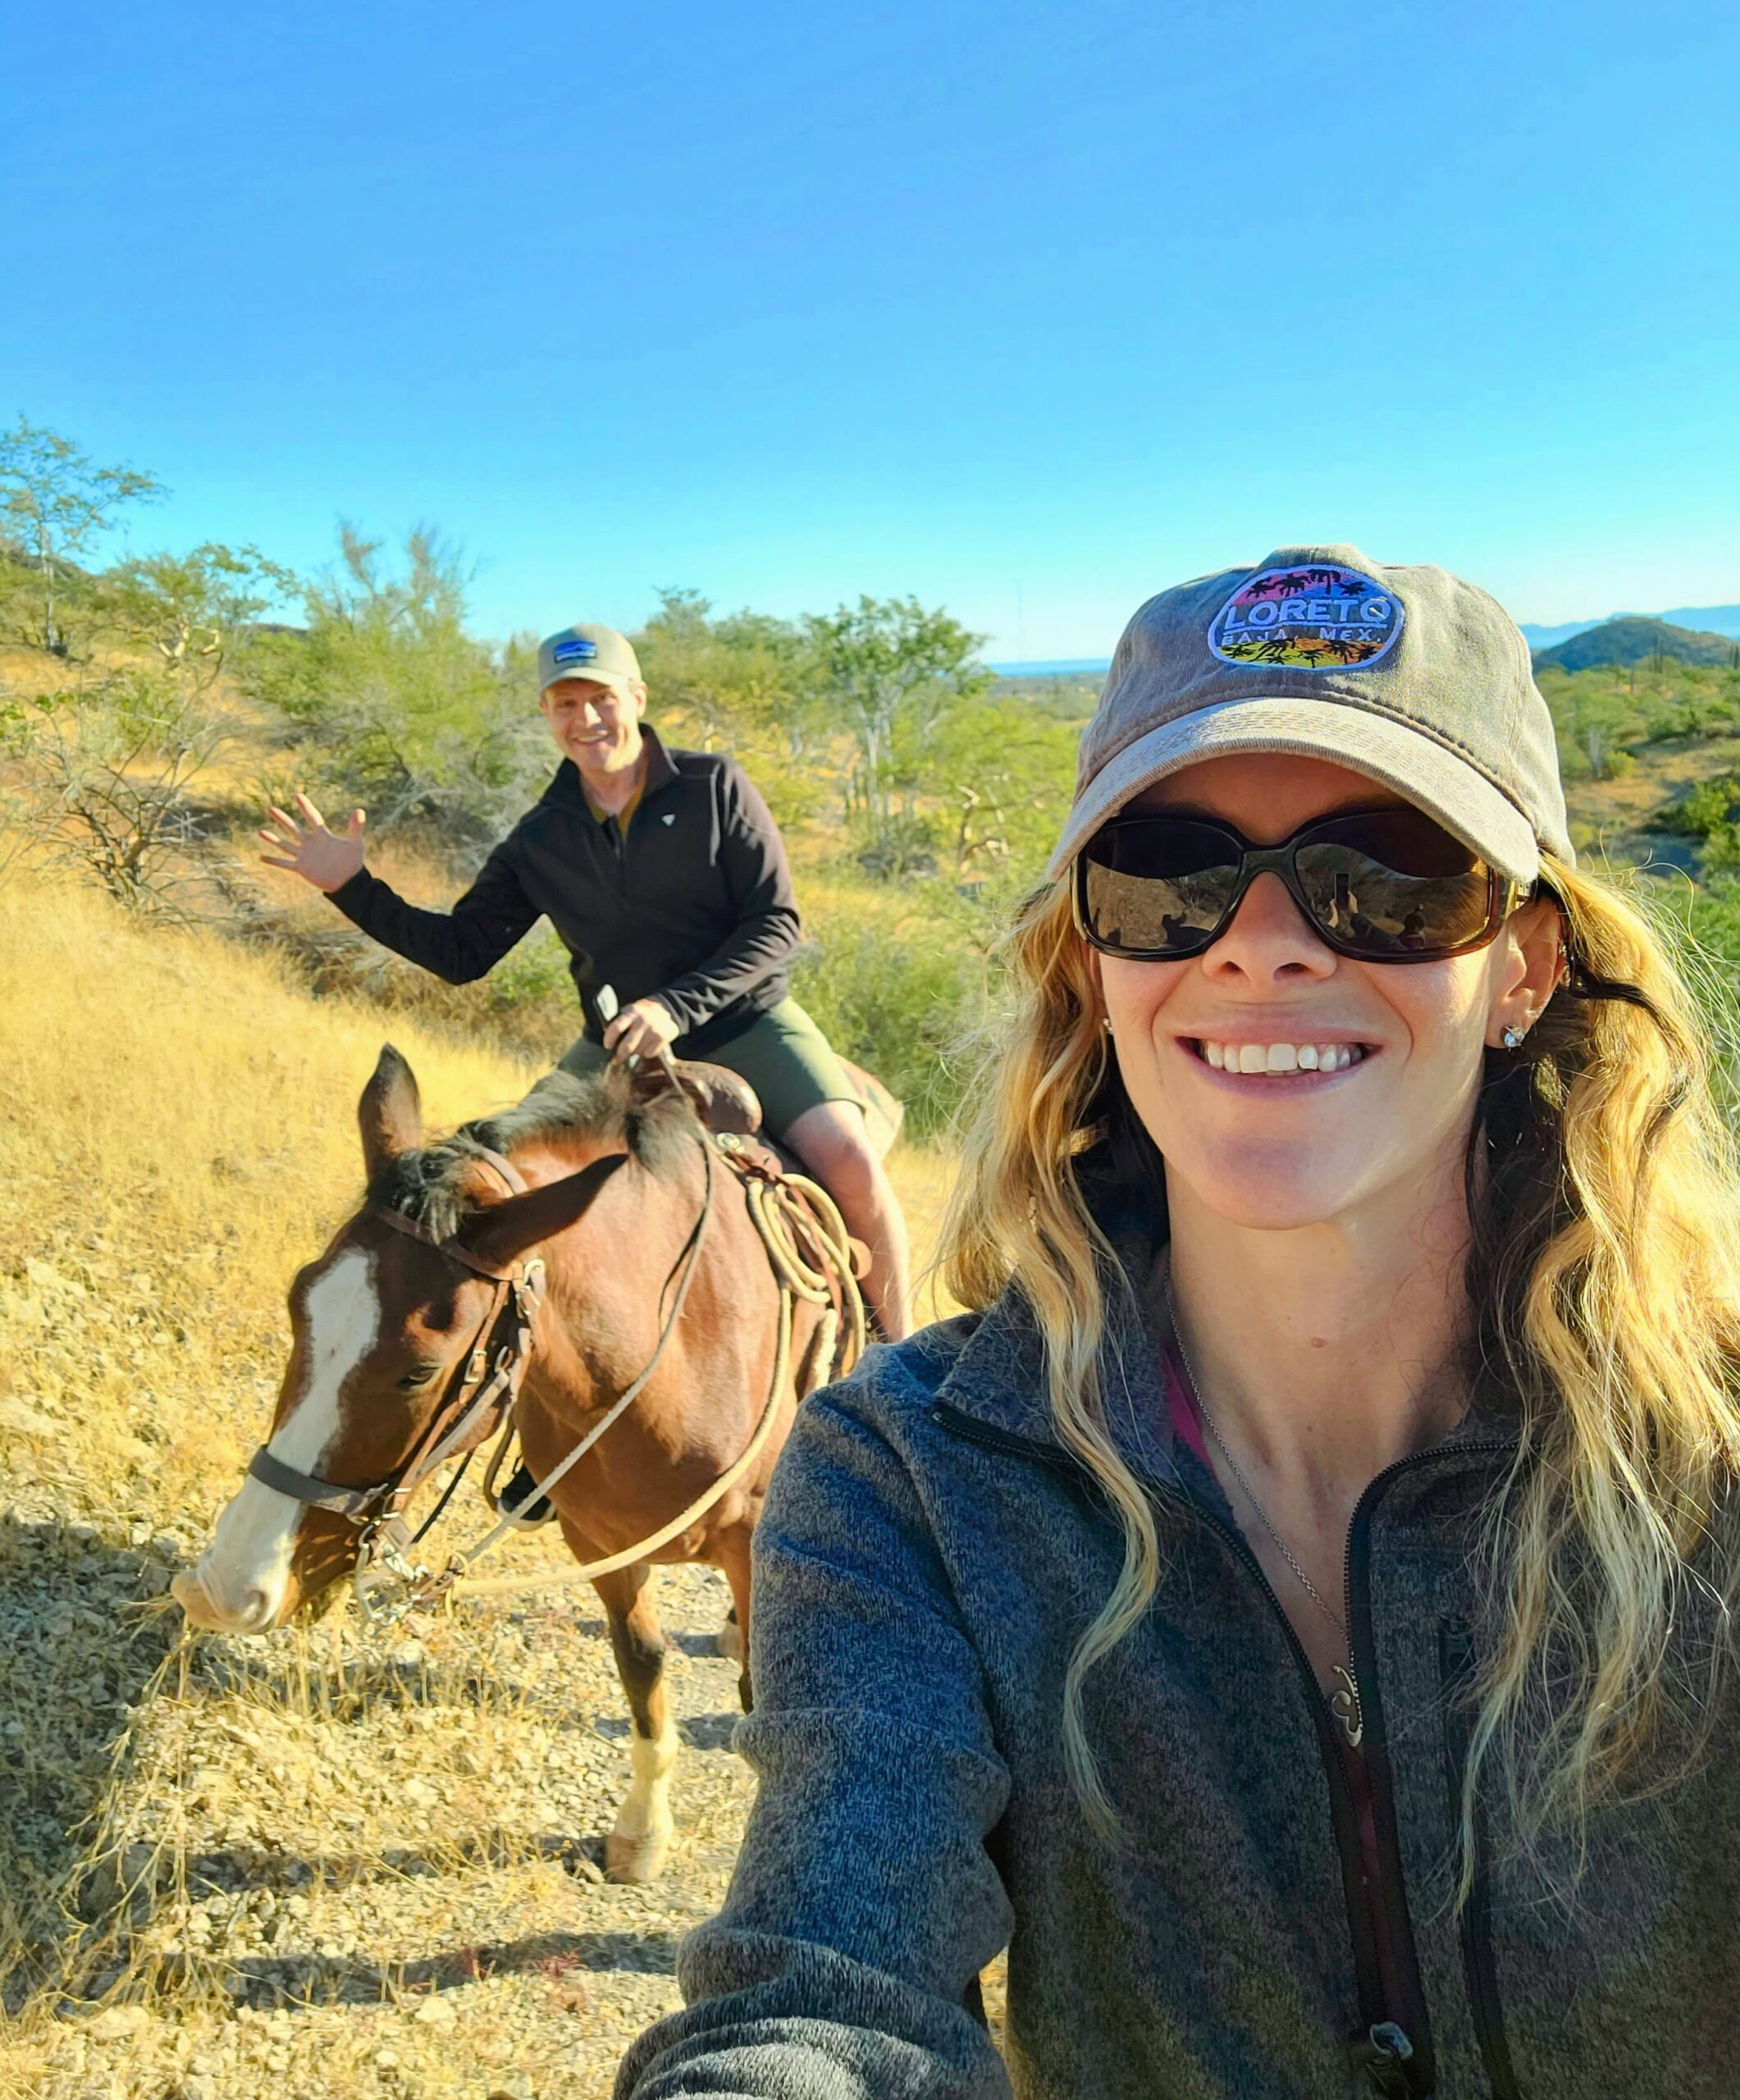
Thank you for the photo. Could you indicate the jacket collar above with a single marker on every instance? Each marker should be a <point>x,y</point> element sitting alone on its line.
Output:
<point>565,784</point>
<point>998,1378</point>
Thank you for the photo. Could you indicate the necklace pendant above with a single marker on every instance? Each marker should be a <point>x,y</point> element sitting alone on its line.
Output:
<point>1344,1703</point>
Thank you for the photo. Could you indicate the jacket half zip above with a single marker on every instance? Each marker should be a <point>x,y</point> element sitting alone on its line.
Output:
<point>1376,1750</point>
<point>619,847</point>
<point>1385,2052</point>
<point>1455,1674</point>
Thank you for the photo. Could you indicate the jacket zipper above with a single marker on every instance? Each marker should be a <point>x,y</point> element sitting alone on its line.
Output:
<point>619,847</point>
<point>1399,2057</point>
<point>1455,1669</point>
<point>1343,1815</point>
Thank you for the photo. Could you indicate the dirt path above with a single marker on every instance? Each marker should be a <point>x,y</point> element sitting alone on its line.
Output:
<point>346,1868</point>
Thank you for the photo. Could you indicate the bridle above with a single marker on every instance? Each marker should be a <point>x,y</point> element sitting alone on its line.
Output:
<point>791,1213</point>
<point>479,1397</point>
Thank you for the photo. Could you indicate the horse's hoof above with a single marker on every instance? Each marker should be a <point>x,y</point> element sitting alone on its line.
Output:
<point>731,1641</point>
<point>635,1859</point>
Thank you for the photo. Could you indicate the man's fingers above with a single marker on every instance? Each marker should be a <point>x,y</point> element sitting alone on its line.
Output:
<point>358,819</point>
<point>309,811</point>
<point>272,861</point>
<point>284,818</point>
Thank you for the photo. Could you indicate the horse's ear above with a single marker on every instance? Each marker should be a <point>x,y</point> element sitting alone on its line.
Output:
<point>500,1236</point>
<point>390,1113</point>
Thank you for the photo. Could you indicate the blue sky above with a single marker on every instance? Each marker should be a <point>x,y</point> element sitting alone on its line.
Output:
<point>1026,310</point>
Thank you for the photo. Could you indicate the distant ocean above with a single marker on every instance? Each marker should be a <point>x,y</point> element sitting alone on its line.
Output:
<point>1057,667</point>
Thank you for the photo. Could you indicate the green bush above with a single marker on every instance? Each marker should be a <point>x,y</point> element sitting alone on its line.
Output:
<point>900,1003</point>
<point>1712,806</point>
<point>534,973</point>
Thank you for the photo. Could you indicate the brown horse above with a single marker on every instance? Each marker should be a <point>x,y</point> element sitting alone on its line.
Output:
<point>386,1321</point>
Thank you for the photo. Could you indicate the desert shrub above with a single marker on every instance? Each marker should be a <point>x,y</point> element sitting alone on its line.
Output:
<point>1711,806</point>
<point>535,975</point>
<point>896,1000</point>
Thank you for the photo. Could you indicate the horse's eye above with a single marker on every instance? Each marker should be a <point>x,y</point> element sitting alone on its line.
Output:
<point>413,1381</point>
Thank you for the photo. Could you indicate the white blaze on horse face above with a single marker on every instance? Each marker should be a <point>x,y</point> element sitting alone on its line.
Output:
<point>244,1574</point>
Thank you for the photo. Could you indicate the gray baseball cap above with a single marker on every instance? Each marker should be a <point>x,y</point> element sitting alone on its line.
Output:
<point>588,650</point>
<point>1409,675</point>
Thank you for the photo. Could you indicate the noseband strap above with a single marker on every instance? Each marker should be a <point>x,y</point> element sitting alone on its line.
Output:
<point>352,1502</point>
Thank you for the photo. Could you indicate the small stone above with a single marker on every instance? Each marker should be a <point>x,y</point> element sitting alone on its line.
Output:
<point>115,2023</point>
<point>23,1420</point>
<point>434,2012</point>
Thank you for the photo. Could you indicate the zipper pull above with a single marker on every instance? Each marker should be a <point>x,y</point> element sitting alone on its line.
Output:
<point>1384,2055</point>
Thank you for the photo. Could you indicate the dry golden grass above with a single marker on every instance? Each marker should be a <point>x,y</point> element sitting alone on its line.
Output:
<point>179,1136</point>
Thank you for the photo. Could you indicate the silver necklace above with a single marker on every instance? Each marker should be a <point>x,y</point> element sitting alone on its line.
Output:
<point>1344,1702</point>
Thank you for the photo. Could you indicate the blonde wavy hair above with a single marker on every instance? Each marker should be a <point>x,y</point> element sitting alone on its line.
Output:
<point>1604,1309</point>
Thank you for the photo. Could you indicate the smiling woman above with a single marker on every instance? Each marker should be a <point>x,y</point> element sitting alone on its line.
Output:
<point>1278,1611</point>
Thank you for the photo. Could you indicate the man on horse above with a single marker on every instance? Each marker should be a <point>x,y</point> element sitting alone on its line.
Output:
<point>665,876</point>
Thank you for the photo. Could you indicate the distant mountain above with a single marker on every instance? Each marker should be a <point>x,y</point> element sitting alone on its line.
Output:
<point>1633,639</point>
<point>1540,637</point>
<point>1706,620</point>
<point>1702,619</point>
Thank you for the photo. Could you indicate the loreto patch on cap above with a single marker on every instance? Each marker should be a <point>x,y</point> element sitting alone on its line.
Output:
<point>1307,619</point>
<point>577,652</point>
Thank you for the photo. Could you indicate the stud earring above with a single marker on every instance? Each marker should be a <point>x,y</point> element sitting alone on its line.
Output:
<point>1512,1039</point>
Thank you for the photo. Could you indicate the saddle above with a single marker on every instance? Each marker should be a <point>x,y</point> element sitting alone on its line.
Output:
<point>725,1103</point>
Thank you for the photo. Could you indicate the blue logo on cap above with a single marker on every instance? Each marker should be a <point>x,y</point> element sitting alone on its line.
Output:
<point>1314,619</point>
<point>578,650</point>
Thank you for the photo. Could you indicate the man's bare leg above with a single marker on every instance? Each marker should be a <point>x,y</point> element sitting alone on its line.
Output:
<point>831,1141</point>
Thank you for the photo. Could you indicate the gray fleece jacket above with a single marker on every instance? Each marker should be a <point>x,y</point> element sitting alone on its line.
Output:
<point>928,1558</point>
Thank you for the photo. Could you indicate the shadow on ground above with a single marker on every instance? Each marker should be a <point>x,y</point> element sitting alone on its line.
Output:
<point>76,1650</point>
<point>302,1979</point>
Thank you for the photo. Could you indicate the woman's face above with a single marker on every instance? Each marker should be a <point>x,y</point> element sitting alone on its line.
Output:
<point>1273,1150</point>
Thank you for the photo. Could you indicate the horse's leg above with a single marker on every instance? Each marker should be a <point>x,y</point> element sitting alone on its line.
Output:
<point>635,1849</point>
<point>731,1549</point>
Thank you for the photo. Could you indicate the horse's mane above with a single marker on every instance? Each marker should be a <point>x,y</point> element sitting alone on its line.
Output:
<point>427,1184</point>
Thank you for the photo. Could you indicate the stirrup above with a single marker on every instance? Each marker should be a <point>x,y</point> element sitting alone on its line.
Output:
<point>523,1483</point>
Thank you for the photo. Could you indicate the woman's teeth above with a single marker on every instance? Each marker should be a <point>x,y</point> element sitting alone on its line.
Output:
<point>1281,1057</point>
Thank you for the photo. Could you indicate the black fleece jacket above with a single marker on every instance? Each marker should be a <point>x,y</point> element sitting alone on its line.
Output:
<point>693,904</point>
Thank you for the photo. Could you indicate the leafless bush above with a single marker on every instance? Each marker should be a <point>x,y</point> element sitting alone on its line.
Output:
<point>98,780</point>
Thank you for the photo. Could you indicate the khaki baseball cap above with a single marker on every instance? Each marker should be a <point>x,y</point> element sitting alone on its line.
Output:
<point>1409,675</point>
<point>585,650</point>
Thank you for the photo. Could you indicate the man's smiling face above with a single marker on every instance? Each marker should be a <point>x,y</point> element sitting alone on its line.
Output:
<point>596,725</point>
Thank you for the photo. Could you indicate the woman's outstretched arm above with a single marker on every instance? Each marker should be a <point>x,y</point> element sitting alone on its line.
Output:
<point>863,1903</point>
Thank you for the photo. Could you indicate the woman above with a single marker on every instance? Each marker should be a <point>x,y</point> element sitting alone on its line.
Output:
<point>1291,1611</point>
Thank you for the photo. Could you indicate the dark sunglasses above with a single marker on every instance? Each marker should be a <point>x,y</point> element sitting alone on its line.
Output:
<point>1380,885</point>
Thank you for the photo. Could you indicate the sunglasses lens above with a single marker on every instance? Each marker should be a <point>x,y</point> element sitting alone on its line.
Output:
<point>1157,886</point>
<point>1393,882</point>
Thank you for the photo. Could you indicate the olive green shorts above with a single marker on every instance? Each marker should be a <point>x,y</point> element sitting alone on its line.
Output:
<point>782,1054</point>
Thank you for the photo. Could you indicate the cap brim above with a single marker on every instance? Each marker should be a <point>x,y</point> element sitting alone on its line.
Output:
<point>1429,774</point>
